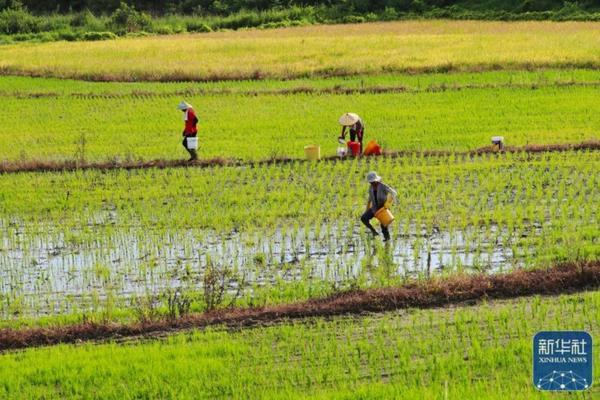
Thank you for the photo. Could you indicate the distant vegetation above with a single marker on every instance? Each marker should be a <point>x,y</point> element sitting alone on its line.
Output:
<point>316,51</point>
<point>224,7</point>
<point>106,19</point>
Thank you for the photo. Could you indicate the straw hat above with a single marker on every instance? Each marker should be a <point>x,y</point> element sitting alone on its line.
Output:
<point>349,119</point>
<point>184,106</point>
<point>373,177</point>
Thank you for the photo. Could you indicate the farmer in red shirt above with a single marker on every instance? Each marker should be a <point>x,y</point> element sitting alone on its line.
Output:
<point>190,130</point>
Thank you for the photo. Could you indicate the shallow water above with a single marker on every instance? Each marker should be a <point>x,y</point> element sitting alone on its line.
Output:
<point>52,272</point>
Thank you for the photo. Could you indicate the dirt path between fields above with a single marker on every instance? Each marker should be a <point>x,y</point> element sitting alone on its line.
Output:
<point>294,90</point>
<point>564,278</point>
<point>7,167</point>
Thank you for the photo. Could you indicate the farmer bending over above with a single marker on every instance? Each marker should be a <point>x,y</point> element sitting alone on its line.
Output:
<point>190,130</point>
<point>379,195</point>
<point>355,125</point>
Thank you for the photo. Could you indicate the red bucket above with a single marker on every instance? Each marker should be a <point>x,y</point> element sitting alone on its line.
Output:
<point>354,148</point>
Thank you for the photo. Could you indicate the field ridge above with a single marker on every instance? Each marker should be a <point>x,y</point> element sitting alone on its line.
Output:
<point>562,278</point>
<point>9,167</point>
<point>333,90</point>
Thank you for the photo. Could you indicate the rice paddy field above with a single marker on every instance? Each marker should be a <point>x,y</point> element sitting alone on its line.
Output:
<point>287,231</point>
<point>480,352</point>
<point>133,242</point>
<point>253,123</point>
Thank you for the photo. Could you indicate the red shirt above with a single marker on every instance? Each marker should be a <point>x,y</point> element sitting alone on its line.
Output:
<point>190,123</point>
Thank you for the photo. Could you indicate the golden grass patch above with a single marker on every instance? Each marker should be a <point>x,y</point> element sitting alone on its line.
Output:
<point>412,46</point>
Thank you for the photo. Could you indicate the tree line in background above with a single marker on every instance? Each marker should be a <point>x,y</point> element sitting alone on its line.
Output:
<point>158,7</point>
<point>32,20</point>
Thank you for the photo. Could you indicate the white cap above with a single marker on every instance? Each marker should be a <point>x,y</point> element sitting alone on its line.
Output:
<point>184,106</point>
<point>373,177</point>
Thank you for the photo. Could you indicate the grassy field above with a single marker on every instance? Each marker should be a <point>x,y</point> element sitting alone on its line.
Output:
<point>125,245</point>
<point>480,352</point>
<point>43,120</point>
<point>95,239</point>
<point>316,50</point>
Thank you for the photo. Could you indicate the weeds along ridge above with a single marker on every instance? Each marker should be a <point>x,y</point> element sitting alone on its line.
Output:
<point>563,278</point>
<point>335,90</point>
<point>73,165</point>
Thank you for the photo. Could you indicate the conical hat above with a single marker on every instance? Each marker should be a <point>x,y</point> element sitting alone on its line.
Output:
<point>349,119</point>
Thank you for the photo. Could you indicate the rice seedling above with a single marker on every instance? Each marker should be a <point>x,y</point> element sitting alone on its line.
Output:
<point>282,233</point>
<point>17,86</point>
<point>253,230</point>
<point>470,352</point>
<point>147,128</point>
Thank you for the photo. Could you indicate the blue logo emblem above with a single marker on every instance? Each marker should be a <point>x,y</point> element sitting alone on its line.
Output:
<point>562,360</point>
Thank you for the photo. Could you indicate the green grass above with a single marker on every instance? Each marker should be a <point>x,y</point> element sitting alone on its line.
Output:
<point>113,245</point>
<point>287,231</point>
<point>146,126</point>
<point>480,352</point>
<point>26,86</point>
<point>55,20</point>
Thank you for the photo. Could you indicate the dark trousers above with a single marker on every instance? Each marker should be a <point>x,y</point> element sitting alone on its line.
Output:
<point>368,216</point>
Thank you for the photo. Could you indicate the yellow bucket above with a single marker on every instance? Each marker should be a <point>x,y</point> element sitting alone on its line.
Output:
<point>313,152</point>
<point>384,216</point>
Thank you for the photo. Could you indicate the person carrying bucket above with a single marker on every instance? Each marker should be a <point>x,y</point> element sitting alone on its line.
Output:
<point>380,198</point>
<point>355,125</point>
<point>190,131</point>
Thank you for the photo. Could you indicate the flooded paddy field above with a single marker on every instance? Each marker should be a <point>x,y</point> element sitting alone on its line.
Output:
<point>121,235</point>
<point>56,275</point>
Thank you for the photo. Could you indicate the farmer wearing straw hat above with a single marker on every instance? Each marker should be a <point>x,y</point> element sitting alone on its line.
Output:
<point>190,129</point>
<point>380,195</point>
<point>355,125</point>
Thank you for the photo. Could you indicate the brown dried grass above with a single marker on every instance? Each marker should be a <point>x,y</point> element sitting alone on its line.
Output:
<point>334,90</point>
<point>322,50</point>
<point>563,278</point>
<point>7,167</point>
